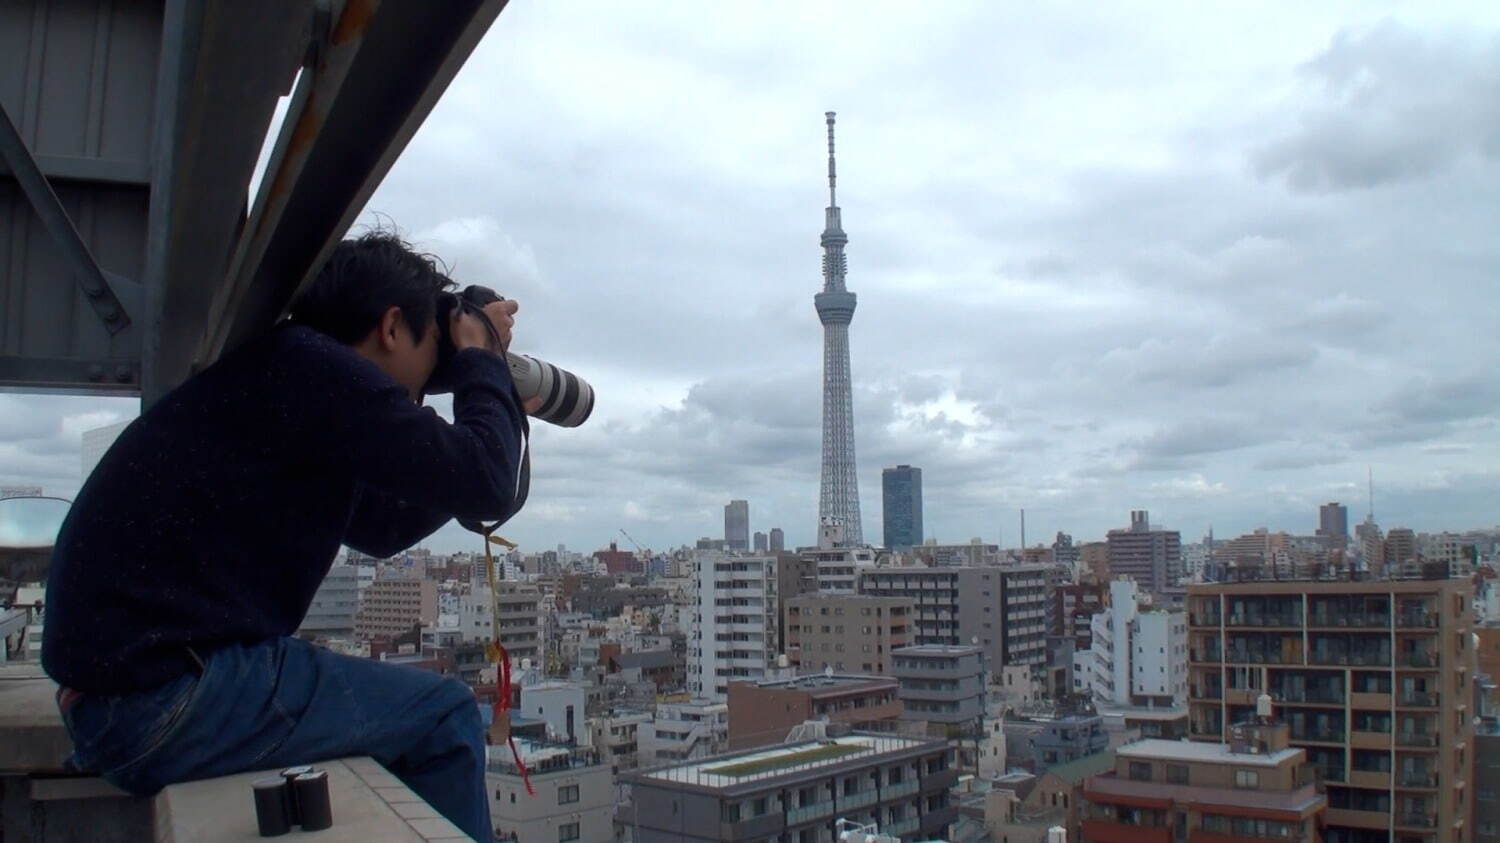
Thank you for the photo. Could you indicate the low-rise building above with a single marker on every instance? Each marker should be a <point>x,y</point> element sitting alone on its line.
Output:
<point>798,792</point>
<point>764,712</point>
<point>574,798</point>
<point>1022,808</point>
<point>1257,786</point>
<point>683,730</point>
<point>1040,739</point>
<point>941,685</point>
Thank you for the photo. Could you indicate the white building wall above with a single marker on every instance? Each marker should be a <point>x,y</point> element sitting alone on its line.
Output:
<point>556,702</point>
<point>1159,655</point>
<point>732,631</point>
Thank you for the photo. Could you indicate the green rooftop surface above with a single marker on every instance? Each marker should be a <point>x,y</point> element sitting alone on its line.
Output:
<point>761,765</point>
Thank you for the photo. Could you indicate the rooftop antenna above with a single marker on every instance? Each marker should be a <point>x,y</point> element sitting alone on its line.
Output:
<point>832,176</point>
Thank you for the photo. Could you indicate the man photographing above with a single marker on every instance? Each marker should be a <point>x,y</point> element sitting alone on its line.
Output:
<point>194,549</point>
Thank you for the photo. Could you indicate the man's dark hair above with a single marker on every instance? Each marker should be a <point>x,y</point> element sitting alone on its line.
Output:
<point>364,277</point>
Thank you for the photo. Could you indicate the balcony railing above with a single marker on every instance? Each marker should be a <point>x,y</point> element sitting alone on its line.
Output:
<point>1262,657</point>
<point>1203,619</point>
<point>808,812</point>
<point>1371,659</point>
<point>850,801</point>
<point>1424,739</point>
<point>1411,819</point>
<point>897,828</point>
<point>1353,620</point>
<point>1330,772</point>
<point>894,791</point>
<point>1308,695</point>
<point>1208,693</point>
<point>1419,659</point>
<point>1418,699</point>
<point>1418,778</point>
<point>1210,656</point>
<point>1292,620</point>
<point>1416,620</point>
<point>1320,735</point>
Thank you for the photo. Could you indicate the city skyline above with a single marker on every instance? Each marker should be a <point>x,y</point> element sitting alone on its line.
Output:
<point>1143,261</point>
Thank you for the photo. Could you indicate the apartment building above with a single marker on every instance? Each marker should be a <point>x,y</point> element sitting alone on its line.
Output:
<point>1374,679</point>
<point>331,612</point>
<point>682,730</point>
<point>1004,608</point>
<point>1150,556</point>
<point>846,632</point>
<point>1135,657</point>
<point>798,792</point>
<point>395,606</point>
<point>574,798</point>
<point>765,712</point>
<point>520,619</point>
<point>733,631</point>
<point>1255,787</point>
<point>941,684</point>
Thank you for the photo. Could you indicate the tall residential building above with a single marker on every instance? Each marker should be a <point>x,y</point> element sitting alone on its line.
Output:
<point>778,540</point>
<point>520,619</point>
<point>1093,558</point>
<point>971,555</point>
<point>1375,679</point>
<point>1135,658</point>
<point>901,506</point>
<point>1400,549</point>
<point>847,633</point>
<point>395,606</point>
<point>737,525</point>
<point>838,493</point>
<point>331,613</point>
<point>1003,607</point>
<point>733,631</point>
<point>1333,525</point>
<point>1064,552</point>
<point>1255,787</point>
<point>761,543</point>
<point>838,567</point>
<point>798,792</point>
<point>1153,558</point>
<point>1371,545</point>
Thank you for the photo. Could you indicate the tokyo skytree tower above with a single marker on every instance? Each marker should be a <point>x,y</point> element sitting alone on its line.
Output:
<point>838,497</point>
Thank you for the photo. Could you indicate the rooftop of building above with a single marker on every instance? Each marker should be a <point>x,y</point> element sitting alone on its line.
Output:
<point>1142,712</point>
<point>647,659</point>
<point>1329,585</point>
<point>1076,771</point>
<point>760,765</point>
<point>936,650</point>
<point>1156,749</point>
<point>822,684</point>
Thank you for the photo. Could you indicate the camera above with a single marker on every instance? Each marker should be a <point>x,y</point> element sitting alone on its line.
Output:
<point>567,400</point>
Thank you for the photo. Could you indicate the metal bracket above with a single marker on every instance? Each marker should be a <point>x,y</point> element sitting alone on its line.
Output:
<point>54,217</point>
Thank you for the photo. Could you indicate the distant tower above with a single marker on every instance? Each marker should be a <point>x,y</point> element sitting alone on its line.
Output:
<point>737,525</point>
<point>838,496</point>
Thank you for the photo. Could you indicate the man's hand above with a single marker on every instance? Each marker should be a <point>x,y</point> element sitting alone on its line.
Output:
<point>469,332</point>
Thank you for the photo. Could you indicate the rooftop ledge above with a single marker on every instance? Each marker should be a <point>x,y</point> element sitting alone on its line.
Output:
<point>368,802</point>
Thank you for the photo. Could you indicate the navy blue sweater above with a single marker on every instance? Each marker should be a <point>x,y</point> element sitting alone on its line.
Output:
<point>216,514</point>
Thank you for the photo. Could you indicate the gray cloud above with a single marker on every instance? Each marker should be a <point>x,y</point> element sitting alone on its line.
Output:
<point>1394,104</point>
<point>1084,284</point>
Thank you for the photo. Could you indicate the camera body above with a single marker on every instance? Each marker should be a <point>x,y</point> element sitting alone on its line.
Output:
<point>567,400</point>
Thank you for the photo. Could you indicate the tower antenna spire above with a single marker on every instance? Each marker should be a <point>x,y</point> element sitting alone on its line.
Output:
<point>832,170</point>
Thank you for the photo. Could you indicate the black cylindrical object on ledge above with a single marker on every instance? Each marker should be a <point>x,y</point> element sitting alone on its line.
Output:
<point>272,806</point>
<point>294,813</point>
<point>310,790</point>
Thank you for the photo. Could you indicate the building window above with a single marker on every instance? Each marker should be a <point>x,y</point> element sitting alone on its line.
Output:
<point>1246,778</point>
<point>567,832</point>
<point>1177,774</point>
<point>567,793</point>
<point>1140,771</point>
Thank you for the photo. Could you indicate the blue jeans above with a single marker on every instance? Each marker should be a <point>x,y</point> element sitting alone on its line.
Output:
<point>283,703</point>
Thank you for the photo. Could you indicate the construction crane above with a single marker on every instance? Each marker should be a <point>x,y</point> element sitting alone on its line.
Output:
<point>632,541</point>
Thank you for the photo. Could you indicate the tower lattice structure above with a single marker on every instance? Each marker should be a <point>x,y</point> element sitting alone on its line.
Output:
<point>838,495</point>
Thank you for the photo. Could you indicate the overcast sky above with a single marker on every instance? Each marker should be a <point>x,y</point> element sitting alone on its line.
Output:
<point>1210,260</point>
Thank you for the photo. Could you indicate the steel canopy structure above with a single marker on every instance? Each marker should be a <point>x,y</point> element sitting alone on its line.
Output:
<point>130,252</point>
